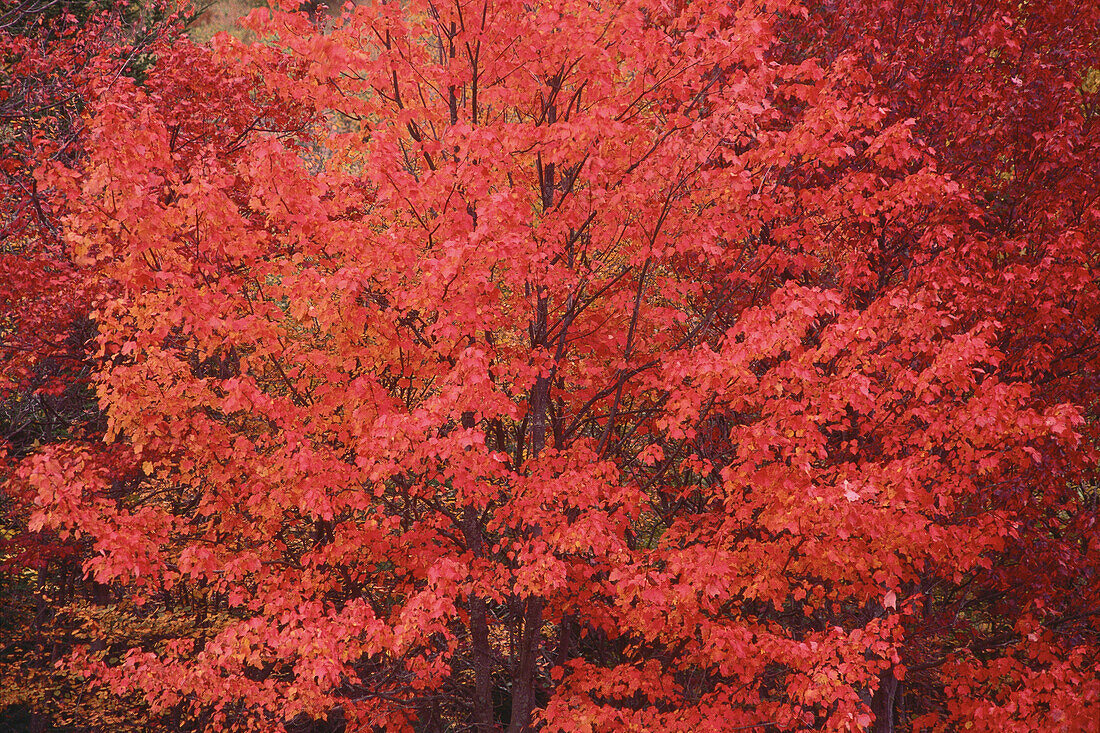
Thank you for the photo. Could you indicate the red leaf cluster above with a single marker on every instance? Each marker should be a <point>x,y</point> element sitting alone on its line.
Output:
<point>664,366</point>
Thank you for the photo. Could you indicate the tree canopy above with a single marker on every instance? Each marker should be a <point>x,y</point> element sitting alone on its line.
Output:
<point>557,365</point>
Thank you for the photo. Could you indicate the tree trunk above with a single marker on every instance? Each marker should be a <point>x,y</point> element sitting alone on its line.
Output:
<point>882,704</point>
<point>481,655</point>
<point>523,690</point>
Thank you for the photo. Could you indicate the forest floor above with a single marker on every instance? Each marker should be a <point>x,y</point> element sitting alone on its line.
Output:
<point>222,15</point>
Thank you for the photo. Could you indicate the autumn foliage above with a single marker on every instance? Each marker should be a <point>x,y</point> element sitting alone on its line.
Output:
<point>574,366</point>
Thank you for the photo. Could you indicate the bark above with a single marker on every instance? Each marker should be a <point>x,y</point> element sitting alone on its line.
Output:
<point>523,681</point>
<point>882,704</point>
<point>481,653</point>
<point>523,690</point>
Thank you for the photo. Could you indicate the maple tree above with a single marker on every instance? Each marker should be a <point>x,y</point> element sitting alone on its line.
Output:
<point>1006,96</point>
<point>53,55</point>
<point>567,366</point>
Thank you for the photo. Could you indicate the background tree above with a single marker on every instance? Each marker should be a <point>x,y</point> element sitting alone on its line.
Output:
<point>56,56</point>
<point>1003,95</point>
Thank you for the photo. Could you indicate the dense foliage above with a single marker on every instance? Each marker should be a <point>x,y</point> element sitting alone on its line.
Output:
<point>556,365</point>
